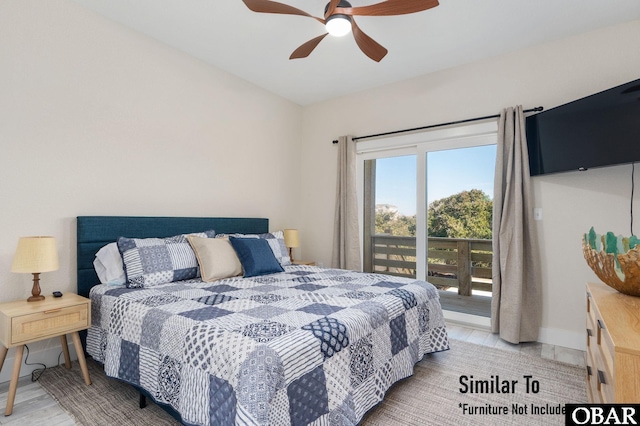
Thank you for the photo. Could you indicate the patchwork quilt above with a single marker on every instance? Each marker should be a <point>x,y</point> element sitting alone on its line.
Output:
<point>305,346</point>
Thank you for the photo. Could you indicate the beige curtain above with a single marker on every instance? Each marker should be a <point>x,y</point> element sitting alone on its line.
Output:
<point>346,235</point>
<point>516,304</point>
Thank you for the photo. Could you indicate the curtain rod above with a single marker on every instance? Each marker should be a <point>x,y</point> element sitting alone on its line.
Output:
<point>536,109</point>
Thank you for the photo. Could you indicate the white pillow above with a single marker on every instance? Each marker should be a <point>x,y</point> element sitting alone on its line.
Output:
<point>108,265</point>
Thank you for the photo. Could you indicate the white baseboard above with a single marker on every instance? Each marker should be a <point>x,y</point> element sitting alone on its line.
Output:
<point>47,356</point>
<point>551,336</point>
<point>564,338</point>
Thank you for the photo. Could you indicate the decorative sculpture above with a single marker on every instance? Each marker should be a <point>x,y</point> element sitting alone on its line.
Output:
<point>614,259</point>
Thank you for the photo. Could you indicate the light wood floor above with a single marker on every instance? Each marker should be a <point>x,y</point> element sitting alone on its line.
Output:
<point>543,350</point>
<point>34,406</point>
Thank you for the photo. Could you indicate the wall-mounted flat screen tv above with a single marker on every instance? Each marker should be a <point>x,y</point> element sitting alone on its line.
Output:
<point>599,130</point>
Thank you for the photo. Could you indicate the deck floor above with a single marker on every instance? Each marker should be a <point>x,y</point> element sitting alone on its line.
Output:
<point>473,305</point>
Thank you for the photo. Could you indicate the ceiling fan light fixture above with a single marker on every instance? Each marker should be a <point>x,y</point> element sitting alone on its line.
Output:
<point>338,25</point>
<point>339,20</point>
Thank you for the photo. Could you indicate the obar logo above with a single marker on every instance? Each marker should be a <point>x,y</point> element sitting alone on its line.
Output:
<point>602,414</point>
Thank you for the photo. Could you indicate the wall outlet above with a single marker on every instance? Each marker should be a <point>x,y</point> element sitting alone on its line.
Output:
<point>537,213</point>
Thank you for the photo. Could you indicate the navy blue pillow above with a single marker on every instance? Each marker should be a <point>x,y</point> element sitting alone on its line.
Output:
<point>256,256</point>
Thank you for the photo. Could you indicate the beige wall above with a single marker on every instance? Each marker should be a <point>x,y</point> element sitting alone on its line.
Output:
<point>98,120</point>
<point>547,75</point>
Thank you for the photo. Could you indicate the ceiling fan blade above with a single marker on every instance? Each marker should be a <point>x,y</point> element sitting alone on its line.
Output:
<point>369,46</point>
<point>389,8</point>
<point>332,6</point>
<point>304,50</point>
<point>267,6</point>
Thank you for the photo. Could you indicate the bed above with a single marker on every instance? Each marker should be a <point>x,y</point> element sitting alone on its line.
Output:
<point>307,345</point>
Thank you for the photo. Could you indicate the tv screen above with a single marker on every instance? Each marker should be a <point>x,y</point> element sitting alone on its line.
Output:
<point>599,130</point>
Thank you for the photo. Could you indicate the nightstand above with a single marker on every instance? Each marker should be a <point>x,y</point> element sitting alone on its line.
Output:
<point>303,262</point>
<point>24,322</point>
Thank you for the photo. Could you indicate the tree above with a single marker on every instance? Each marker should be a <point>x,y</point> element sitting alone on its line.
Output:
<point>395,224</point>
<point>468,214</point>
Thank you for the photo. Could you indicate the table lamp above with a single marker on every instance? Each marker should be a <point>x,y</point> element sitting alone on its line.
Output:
<point>291,240</point>
<point>35,255</point>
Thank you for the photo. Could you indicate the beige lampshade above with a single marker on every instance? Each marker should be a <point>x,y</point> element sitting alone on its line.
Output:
<point>35,254</point>
<point>291,238</point>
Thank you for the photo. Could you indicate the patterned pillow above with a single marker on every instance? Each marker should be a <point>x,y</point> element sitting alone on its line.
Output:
<point>275,240</point>
<point>154,261</point>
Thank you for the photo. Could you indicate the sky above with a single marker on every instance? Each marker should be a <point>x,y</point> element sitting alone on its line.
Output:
<point>448,172</point>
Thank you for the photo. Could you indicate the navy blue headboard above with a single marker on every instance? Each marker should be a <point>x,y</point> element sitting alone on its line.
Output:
<point>93,232</point>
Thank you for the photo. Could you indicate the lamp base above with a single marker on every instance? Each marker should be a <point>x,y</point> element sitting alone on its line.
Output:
<point>35,291</point>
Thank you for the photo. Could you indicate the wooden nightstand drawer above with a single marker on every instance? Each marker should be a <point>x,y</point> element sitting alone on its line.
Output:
<point>53,322</point>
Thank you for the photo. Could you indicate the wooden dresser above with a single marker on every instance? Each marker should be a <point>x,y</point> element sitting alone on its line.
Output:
<point>613,345</point>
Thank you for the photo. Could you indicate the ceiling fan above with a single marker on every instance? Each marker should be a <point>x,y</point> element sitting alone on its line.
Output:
<point>339,20</point>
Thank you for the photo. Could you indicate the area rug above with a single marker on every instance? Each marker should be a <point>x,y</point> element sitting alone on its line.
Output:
<point>467,385</point>
<point>434,394</point>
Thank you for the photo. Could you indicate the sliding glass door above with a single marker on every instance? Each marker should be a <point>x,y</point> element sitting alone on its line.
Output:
<point>427,214</point>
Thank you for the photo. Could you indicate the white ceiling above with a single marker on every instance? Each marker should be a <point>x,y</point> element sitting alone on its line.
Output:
<point>256,46</point>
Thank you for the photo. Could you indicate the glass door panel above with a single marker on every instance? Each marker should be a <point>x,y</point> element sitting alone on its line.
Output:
<point>459,226</point>
<point>390,216</point>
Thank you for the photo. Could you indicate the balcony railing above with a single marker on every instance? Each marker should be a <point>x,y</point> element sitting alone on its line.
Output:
<point>452,262</point>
